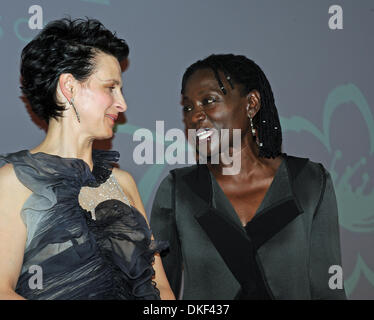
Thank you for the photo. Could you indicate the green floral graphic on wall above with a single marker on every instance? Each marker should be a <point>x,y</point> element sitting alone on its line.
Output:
<point>356,212</point>
<point>349,200</point>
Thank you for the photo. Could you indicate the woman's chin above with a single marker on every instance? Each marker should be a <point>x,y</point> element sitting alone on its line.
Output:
<point>105,136</point>
<point>208,153</point>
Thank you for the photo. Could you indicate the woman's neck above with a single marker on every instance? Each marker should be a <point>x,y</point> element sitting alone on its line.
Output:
<point>66,141</point>
<point>246,157</point>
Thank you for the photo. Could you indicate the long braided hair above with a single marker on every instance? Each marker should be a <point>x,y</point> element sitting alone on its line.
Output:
<point>239,69</point>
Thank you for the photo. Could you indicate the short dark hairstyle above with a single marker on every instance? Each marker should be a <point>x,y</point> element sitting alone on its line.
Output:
<point>241,70</point>
<point>63,46</point>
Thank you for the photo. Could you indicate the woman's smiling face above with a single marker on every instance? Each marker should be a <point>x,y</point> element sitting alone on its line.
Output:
<point>208,110</point>
<point>99,100</point>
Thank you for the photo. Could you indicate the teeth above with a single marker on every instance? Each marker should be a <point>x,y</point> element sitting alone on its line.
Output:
<point>204,133</point>
<point>110,117</point>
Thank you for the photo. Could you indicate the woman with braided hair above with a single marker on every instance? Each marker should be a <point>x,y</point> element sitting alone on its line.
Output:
<point>266,231</point>
<point>72,226</point>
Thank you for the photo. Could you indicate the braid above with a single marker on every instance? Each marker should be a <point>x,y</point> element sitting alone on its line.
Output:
<point>267,120</point>
<point>247,73</point>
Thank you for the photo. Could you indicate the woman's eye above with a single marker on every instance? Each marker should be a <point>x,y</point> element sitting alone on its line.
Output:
<point>187,108</point>
<point>209,100</point>
<point>111,88</point>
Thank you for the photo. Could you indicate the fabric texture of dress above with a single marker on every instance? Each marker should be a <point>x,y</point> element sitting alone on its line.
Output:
<point>81,258</point>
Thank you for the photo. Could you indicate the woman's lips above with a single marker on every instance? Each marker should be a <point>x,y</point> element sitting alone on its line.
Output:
<point>204,134</point>
<point>113,117</point>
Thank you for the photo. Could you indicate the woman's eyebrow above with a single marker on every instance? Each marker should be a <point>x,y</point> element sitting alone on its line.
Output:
<point>207,90</point>
<point>113,80</point>
<point>116,81</point>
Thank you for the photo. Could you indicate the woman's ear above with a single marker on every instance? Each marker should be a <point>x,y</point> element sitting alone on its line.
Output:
<point>254,103</point>
<point>66,84</point>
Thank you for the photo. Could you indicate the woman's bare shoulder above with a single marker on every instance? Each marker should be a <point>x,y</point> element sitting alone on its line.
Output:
<point>8,175</point>
<point>124,176</point>
<point>128,185</point>
<point>126,182</point>
<point>12,191</point>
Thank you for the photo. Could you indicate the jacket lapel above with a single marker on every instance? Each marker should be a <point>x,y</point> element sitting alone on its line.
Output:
<point>278,208</point>
<point>220,226</point>
<point>220,222</point>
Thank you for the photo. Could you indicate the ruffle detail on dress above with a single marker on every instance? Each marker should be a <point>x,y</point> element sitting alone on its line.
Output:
<point>55,183</point>
<point>124,240</point>
<point>103,164</point>
<point>81,258</point>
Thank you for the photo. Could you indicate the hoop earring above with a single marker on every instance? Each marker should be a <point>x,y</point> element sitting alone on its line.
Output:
<point>76,112</point>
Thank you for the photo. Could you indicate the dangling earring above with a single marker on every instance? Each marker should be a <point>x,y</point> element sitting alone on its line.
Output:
<point>251,123</point>
<point>76,112</point>
<point>255,138</point>
<point>252,127</point>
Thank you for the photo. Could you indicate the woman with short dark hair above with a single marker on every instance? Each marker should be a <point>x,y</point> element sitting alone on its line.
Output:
<point>72,226</point>
<point>268,230</point>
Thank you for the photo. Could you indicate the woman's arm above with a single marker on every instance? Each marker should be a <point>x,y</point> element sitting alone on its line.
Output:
<point>164,227</point>
<point>325,244</point>
<point>12,231</point>
<point>128,185</point>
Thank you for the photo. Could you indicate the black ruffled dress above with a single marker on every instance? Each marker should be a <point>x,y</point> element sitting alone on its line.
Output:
<point>80,258</point>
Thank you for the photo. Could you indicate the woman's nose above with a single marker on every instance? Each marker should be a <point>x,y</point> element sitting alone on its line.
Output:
<point>198,115</point>
<point>121,104</point>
